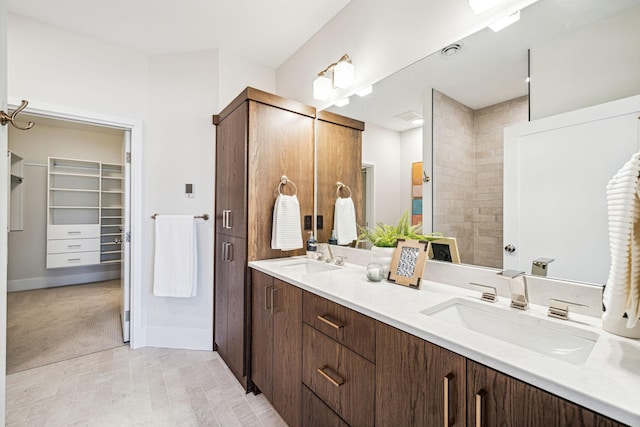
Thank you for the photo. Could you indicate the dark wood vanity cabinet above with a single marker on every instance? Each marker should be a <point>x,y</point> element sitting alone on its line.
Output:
<point>496,399</point>
<point>259,138</point>
<point>276,341</point>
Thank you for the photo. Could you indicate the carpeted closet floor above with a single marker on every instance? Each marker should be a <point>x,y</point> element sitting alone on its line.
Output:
<point>45,326</point>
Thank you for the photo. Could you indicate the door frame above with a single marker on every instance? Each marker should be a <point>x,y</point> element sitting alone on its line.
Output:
<point>134,126</point>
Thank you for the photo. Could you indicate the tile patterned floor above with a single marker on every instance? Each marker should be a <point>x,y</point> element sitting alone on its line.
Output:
<point>144,387</point>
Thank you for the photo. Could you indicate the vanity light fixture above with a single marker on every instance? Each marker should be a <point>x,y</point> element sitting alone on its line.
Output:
<point>506,21</point>
<point>343,74</point>
<point>479,6</point>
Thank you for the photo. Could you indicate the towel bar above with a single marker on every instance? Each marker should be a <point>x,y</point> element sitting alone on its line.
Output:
<point>204,216</point>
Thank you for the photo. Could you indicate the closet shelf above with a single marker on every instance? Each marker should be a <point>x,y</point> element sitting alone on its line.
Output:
<point>111,261</point>
<point>110,252</point>
<point>111,217</point>
<point>83,175</point>
<point>73,190</point>
<point>73,207</point>
<point>112,191</point>
<point>110,234</point>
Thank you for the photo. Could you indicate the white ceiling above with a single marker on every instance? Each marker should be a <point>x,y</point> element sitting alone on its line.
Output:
<point>267,32</point>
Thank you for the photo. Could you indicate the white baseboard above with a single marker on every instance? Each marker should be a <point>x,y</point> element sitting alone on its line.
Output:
<point>52,282</point>
<point>184,338</point>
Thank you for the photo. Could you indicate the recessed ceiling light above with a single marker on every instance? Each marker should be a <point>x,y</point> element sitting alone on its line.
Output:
<point>409,115</point>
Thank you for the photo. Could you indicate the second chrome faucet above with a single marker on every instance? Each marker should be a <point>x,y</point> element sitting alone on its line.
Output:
<point>517,288</point>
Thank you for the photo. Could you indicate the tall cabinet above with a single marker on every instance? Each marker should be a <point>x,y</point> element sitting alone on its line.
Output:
<point>259,138</point>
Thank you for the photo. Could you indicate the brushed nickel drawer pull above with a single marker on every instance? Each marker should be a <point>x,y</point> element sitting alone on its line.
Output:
<point>333,323</point>
<point>447,381</point>
<point>479,403</point>
<point>333,381</point>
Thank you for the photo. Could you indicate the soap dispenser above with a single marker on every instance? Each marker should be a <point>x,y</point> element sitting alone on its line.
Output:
<point>332,239</point>
<point>312,246</point>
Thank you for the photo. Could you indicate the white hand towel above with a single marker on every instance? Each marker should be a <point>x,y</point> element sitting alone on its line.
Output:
<point>175,272</point>
<point>286,233</point>
<point>344,221</point>
<point>622,293</point>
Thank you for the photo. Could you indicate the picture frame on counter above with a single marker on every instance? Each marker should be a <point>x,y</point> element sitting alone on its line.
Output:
<point>444,249</point>
<point>407,263</point>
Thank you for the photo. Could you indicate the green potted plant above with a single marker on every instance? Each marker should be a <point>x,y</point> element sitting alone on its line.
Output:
<point>384,237</point>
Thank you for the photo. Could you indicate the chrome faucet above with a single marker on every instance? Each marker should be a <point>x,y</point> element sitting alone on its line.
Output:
<point>327,255</point>
<point>517,288</point>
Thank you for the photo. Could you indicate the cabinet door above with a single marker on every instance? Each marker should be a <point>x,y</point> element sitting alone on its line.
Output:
<point>262,332</point>
<point>400,391</point>
<point>496,399</point>
<point>231,304</point>
<point>316,414</point>
<point>446,387</point>
<point>231,173</point>
<point>287,351</point>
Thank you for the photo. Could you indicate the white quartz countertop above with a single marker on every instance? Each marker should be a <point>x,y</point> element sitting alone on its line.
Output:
<point>608,382</point>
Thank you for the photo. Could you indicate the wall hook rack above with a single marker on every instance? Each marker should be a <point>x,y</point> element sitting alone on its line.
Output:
<point>5,118</point>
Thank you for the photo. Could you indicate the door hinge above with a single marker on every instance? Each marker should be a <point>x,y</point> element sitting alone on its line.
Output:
<point>127,316</point>
<point>127,237</point>
<point>127,157</point>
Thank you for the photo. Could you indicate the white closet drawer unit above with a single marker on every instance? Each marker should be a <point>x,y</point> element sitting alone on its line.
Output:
<point>73,259</point>
<point>73,231</point>
<point>72,245</point>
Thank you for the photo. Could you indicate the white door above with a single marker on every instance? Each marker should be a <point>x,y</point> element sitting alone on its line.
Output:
<point>125,282</point>
<point>3,209</point>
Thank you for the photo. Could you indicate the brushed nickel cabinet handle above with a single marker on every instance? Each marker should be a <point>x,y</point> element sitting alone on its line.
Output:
<point>266,298</point>
<point>448,420</point>
<point>479,404</point>
<point>331,322</point>
<point>336,382</point>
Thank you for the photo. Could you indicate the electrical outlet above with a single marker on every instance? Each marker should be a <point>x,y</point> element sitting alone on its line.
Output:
<point>319,222</point>
<point>307,222</point>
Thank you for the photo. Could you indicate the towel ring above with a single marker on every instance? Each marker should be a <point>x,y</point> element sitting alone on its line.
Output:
<point>340,186</point>
<point>284,181</point>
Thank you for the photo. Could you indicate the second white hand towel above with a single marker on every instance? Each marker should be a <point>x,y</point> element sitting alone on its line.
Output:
<point>286,233</point>
<point>344,221</point>
<point>175,270</point>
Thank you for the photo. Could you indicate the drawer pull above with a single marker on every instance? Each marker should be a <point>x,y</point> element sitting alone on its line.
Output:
<point>448,420</point>
<point>333,323</point>
<point>479,404</point>
<point>74,232</point>
<point>74,246</point>
<point>73,259</point>
<point>336,382</point>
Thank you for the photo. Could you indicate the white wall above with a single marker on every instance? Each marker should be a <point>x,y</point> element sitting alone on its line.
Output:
<point>174,96</point>
<point>410,152</point>
<point>382,147</point>
<point>593,65</point>
<point>3,216</point>
<point>236,73</point>
<point>382,37</point>
<point>27,248</point>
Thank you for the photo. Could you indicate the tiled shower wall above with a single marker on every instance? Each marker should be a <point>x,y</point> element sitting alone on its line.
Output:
<point>468,171</point>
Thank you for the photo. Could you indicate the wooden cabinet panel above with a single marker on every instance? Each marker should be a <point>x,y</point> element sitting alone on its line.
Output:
<point>446,387</point>
<point>344,380</point>
<point>316,414</point>
<point>400,365</point>
<point>348,327</point>
<point>262,333</point>
<point>339,151</point>
<point>231,171</point>
<point>496,399</point>
<point>287,351</point>
<point>231,300</point>
<point>280,143</point>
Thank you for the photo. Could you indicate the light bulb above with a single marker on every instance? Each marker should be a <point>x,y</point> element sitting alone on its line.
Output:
<point>322,88</point>
<point>343,75</point>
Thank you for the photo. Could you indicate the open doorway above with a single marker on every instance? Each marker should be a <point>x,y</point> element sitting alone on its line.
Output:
<point>69,219</point>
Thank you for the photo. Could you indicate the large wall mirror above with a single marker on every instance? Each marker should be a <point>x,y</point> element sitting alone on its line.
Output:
<point>559,57</point>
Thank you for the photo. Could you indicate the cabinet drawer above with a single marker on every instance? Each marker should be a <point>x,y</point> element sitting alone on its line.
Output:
<point>74,259</point>
<point>316,413</point>
<point>348,327</point>
<point>344,380</point>
<point>77,231</point>
<point>72,245</point>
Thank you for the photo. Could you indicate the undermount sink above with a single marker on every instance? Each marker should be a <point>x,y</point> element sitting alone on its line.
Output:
<point>546,337</point>
<point>307,266</point>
